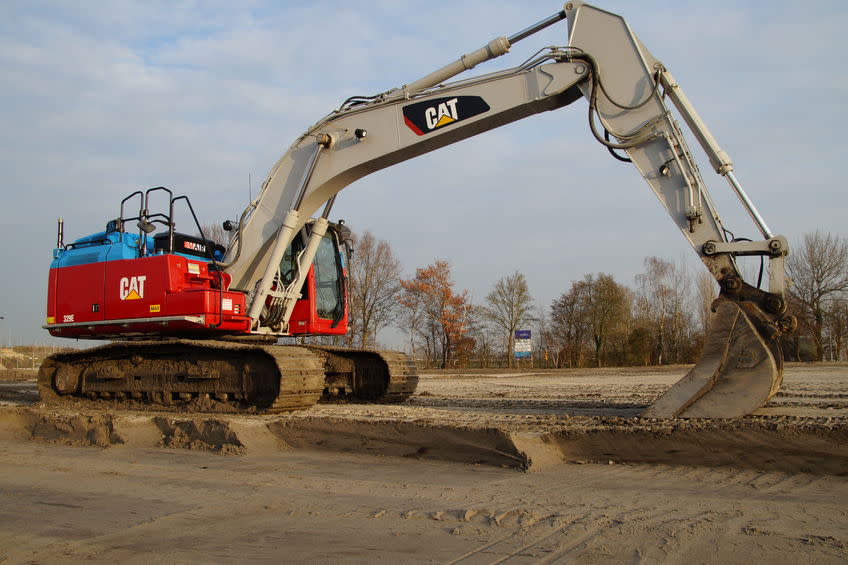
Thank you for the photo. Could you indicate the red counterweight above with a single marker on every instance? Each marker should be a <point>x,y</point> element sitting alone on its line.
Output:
<point>162,294</point>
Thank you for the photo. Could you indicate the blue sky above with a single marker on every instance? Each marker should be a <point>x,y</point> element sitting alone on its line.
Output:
<point>196,96</point>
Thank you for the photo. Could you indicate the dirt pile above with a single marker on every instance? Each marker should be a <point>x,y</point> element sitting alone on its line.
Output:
<point>82,430</point>
<point>215,436</point>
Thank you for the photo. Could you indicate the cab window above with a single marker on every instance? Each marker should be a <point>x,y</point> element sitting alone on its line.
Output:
<point>328,298</point>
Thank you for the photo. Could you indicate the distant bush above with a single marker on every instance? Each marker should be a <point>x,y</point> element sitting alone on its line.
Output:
<point>18,375</point>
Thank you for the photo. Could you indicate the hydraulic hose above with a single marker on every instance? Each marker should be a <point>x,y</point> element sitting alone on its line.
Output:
<point>631,140</point>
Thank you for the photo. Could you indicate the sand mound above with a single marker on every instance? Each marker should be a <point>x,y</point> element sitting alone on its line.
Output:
<point>767,444</point>
<point>488,446</point>
<point>786,444</point>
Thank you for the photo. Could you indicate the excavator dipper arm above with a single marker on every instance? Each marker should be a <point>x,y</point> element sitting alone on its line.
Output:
<point>625,85</point>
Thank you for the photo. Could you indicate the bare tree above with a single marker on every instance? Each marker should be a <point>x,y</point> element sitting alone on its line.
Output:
<point>215,232</point>
<point>568,324</point>
<point>546,343</point>
<point>374,288</point>
<point>836,327</point>
<point>411,317</point>
<point>484,337</point>
<point>662,298</point>
<point>509,306</point>
<point>707,293</point>
<point>606,309</point>
<point>818,269</point>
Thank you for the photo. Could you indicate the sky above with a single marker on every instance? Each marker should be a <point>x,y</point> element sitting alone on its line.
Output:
<point>99,99</point>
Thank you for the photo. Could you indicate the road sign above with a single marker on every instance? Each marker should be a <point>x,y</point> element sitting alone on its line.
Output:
<point>523,347</point>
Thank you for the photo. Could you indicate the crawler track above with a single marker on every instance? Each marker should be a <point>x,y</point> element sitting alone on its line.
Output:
<point>366,374</point>
<point>212,376</point>
<point>223,376</point>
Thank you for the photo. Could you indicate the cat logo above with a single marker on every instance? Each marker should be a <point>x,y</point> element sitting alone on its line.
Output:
<point>132,288</point>
<point>430,115</point>
<point>441,115</point>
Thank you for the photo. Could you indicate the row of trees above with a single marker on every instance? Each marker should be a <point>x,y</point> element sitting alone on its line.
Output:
<point>596,321</point>
<point>601,322</point>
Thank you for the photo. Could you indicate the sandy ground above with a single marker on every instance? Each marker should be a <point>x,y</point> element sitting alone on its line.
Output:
<point>68,505</point>
<point>436,480</point>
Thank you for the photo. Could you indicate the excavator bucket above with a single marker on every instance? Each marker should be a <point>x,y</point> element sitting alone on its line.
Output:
<point>737,373</point>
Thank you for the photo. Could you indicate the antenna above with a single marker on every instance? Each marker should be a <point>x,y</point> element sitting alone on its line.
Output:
<point>249,188</point>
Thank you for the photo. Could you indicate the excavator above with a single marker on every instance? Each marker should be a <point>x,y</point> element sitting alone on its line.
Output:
<point>196,326</point>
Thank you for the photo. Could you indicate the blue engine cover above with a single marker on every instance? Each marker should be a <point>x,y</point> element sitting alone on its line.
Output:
<point>99,247</point>
<point>109,246</point>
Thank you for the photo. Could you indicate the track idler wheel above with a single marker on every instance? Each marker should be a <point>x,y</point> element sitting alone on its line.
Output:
<point>739,370</point>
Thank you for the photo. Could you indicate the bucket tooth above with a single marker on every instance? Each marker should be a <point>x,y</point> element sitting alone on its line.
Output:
<point>739,370</point>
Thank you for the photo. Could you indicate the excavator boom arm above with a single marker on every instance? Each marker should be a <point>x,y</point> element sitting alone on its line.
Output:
<point>363,139</point>
<point>625,85</point>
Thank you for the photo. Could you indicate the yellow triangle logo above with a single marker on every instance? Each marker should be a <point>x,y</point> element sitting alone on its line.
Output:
<point>444,120</point>
<point>133,295</point>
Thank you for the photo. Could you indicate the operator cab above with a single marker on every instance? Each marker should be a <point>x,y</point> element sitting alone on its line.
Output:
<point>323,306</point>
